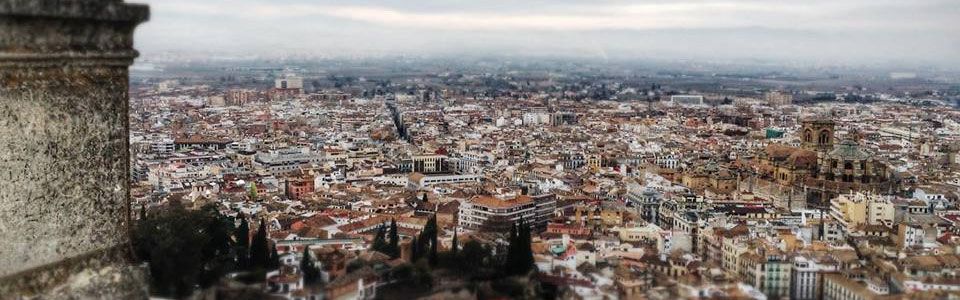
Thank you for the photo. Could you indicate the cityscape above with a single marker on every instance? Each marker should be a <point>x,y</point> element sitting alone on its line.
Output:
<point>650,184</point>
<point>471,173</point>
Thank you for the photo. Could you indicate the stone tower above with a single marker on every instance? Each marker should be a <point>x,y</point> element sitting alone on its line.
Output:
<point>817,134</point>
<point>64,159</point>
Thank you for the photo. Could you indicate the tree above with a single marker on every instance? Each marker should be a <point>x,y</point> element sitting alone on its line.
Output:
<point>185,249</point>
<point>474,255</point>
<point>394,248</point>
<point>253,191</point>
<point>430,229</point>
<point>415,276</point>
<point>380,242</point>
<point>310,272</point>
<point>512,257</point>
<point>454,245</point>
<point>258,248</point>
<point>526,251</point>
<point>427,238</point>
<point>274,262</point>
<point>414,253</point>
<point>356,264</point>
<point>402,273</point>
<point>143,212</point>
<point>520,253</point>
<point>433,251</point>
<point>423,278</point>
<point>242,235</point>
<point>429,235</point>
<point>451,259</point>
<point>219,249</point>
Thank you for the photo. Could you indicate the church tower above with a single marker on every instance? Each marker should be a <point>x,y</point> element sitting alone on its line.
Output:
<point>817,134</point>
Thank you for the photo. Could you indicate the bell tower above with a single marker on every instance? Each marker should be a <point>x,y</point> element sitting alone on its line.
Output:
<point>817,134</point>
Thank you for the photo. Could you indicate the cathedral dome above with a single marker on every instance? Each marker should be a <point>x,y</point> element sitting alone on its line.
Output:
<point>848,150</point>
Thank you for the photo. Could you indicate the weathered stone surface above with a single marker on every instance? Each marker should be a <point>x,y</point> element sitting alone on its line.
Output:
<point>63,144</point>
<point>95,275</point>
<point>103,10</point>
<point>117,281</point>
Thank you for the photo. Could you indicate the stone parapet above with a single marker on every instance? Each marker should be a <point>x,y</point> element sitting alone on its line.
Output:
<point>64,157</point>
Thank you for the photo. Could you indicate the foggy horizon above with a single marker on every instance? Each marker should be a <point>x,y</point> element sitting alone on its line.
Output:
<point>824,32</point>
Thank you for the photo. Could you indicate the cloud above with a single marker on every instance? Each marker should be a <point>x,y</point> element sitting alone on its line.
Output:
<point>814,14</point>
<point>931,25</point>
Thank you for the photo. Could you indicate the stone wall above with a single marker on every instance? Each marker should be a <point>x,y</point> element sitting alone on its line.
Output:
<point>64,158</point>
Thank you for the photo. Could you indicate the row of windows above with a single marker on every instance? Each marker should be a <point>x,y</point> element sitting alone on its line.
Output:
<point>448,180</point>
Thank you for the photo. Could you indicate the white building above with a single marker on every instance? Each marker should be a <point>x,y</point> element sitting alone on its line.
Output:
<point>807,277</point>
<point>687,99</point>
<point>285,161</point>
<point>535,118</point>
<point>418,181</point>
<point>499,214</point>
<point>163,146</point>
<point>289,82</point>
<point>854,210</point>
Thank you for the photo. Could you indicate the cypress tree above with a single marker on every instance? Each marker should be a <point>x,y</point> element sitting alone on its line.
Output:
<point>379,242</point>
<point>520,253</point>
<point>143,212</point>
<point>454,248</point>
<point>511,262</point>
<point>431,228</point>
<point>429,235</point>
<point>259,248</point>
<point>310,272</point>
<point>433,250</point>
<point>274,261</point>
<point>243,242</point>
<point>414,253</point>
<point>426,237</point>
<point>394,248</point>
<point>526,251</point>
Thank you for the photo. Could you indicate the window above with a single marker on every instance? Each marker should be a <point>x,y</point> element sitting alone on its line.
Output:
<point>824,137</point>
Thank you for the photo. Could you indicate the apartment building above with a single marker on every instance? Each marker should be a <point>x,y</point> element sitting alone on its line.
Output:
<point>489,213</point>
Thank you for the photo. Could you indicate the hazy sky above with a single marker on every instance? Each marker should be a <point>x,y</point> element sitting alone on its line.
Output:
<point>855,31</point>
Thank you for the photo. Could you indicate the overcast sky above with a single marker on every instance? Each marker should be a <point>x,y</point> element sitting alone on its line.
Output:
<point>855,31</point>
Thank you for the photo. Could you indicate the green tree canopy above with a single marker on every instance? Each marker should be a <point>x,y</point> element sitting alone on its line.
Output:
<point>253,191</point>
<point>185,249</point>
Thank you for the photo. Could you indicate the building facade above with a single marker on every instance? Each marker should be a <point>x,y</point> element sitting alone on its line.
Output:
<point>488,213</point>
